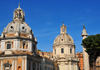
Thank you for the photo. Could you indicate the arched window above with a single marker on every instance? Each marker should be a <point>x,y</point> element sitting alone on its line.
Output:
<point>62,50</point>
<point>23,45</point>
<point>70,50</point>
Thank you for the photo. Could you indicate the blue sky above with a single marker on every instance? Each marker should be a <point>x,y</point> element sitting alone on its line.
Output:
<point>46,16</point>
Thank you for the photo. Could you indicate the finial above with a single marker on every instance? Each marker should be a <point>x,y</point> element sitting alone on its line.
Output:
<point>63,23</point>
<point>19,5</point>
<point>83,25</point>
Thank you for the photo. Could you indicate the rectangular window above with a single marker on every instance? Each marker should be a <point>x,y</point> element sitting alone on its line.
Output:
<point>8,46</point>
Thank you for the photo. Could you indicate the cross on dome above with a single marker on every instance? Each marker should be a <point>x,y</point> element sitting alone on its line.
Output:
<point>18,6</point>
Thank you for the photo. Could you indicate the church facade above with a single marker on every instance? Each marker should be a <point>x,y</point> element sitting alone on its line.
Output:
<point>18,45</point>
<point>64,51</point>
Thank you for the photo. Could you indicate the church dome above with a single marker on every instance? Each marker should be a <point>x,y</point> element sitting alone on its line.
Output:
<point>18,28</point>
<point>63,37</point>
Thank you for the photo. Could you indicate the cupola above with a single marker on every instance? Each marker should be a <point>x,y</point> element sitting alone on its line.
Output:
<point>63,29</point>
<point>19,14</point>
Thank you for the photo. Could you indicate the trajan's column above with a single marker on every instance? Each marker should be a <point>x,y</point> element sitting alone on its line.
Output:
<point>85,54</point>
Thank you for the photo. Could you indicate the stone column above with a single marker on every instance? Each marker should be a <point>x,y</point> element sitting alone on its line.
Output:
<point>16,64</point>
<point>85,57</point>
<point>13,64</point>
<point>86,60</point>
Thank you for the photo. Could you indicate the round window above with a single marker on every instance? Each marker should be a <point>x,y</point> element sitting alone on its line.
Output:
<point>22,27</point>
<point>11,27</point>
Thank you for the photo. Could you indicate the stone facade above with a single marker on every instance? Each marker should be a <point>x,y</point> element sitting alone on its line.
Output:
<point>47,64</point>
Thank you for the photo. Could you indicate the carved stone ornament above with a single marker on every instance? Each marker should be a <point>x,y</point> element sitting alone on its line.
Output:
<point>7,66</point>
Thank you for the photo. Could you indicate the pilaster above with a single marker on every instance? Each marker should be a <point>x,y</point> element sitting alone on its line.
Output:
<point>16,64</point>
<point>26,63</point>
<point>23,63</point>
<point>13,64</point>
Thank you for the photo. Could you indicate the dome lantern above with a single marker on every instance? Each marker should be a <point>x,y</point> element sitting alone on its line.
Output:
<point>19,14</point>
<point>63,29</point>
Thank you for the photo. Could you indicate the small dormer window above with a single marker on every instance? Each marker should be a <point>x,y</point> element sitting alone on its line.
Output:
<point>8,46</point>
